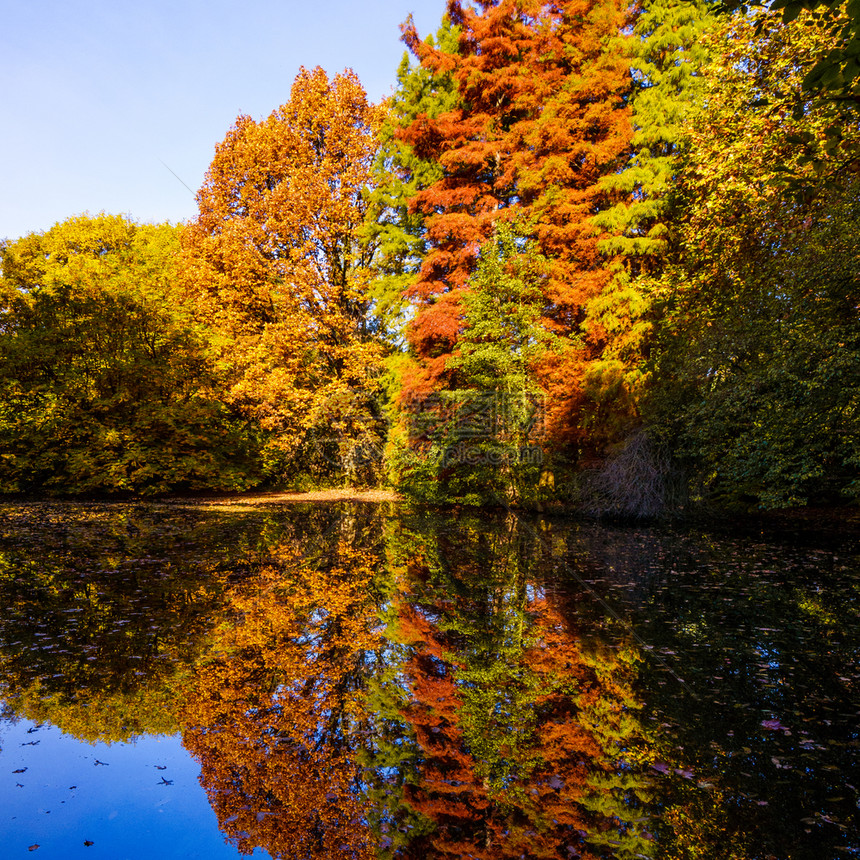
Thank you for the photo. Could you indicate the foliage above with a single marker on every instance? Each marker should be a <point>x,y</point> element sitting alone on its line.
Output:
<point>275,712</point>
<point>510,727</point>
<point>583,245</point>
<point>759,329</point>
<point>397,232</point>
<point>482,441</point>
<point>832,72</point>
<point>277,267</point>
<point>668,56</point>
<point>97,636</point>
<point>541,118</point>
<point>104,386</point>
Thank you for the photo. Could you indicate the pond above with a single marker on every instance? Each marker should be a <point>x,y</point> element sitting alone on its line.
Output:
<point>375,681</point>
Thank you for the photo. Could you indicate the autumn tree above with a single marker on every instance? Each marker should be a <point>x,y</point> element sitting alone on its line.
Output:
<point>758,329</point>
<point>632,475</point>
<point>276,713</point>
<point>541,118</point>
<point>277,267</point>
<point>397,232</point>
<point>104,381</point>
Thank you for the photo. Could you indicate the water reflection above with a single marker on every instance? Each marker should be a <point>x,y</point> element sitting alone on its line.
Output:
<point>276,713</point>
<point>508,732</point>
<point>363,681</point>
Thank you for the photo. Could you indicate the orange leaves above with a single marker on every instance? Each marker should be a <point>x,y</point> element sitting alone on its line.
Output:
<point>542,117</point>
<point>273,716</point>
<point>274,261</point>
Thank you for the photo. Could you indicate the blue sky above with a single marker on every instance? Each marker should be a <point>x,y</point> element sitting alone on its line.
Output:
<point>97,94</point>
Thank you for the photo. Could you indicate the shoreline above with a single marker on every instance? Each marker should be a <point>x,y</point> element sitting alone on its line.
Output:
<point>346,494</point>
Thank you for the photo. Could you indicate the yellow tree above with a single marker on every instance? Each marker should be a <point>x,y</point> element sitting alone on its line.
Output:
<point>275,264</point>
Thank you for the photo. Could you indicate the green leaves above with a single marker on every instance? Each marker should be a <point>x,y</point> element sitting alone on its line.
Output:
<point>103,381</point>
<point>485,432</point>
<point>755,367</point>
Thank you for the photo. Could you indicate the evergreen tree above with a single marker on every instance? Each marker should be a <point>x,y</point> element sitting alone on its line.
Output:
<point>398,233</point>
<point>668,55</point>
<point>479,440</point>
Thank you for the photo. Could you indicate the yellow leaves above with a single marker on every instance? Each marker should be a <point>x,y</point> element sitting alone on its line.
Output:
<point>274,260</point>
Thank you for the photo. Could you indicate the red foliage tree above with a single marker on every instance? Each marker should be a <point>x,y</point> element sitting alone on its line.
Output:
<point>541,118</point>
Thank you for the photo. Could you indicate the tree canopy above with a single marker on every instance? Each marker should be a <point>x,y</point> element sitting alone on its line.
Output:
<point>104,382</point>
<point>632,224</point>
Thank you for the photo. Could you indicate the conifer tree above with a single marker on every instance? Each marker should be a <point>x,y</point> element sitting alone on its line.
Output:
<point>541,118</point>
<point>668,55</point>
<point>396,233</point>
<point>482,442</point>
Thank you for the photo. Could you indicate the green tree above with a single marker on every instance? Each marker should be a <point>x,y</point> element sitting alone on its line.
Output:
<point>668,56</point>
<point>479,441</point>
<point>104,386</point>
<point>755,369</point>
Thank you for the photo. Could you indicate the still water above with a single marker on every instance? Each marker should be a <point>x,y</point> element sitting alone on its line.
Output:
<point>373,681</point>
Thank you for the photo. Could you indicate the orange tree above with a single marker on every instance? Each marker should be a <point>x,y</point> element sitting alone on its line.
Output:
<point>276,266</point>
<point>275,713</point>
<point>541,117</point>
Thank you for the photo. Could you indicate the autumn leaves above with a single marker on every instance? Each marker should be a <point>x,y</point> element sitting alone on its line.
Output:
<point>612,212</point>
<point>276,265</point>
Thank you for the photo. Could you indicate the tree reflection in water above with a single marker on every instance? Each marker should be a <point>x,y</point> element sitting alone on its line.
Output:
<point>517,730</point>
<point>362,681</point>
<point>276,712</point>
<point>436,705</point>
